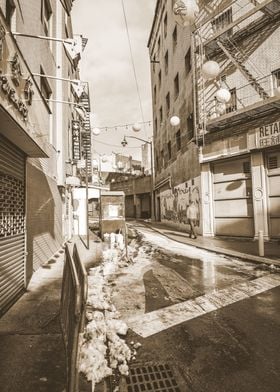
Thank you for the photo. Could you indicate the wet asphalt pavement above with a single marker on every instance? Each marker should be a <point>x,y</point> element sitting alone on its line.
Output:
<point>235,348</point>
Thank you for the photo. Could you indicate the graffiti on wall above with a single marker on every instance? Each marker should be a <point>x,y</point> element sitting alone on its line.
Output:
<point>175,201</point>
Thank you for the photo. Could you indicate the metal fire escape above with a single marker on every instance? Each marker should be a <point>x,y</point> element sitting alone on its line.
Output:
<point>231,44</point>
<point>86,134</point>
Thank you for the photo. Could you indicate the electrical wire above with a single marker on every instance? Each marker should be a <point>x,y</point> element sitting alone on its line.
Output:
<point>132,63</point>
<point>114,145</point>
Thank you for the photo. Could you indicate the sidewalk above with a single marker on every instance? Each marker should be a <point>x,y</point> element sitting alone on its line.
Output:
<point>32,354</point>
<point>235,247</point>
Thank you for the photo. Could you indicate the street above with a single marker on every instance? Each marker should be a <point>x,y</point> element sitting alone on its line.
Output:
<point>213,320</point>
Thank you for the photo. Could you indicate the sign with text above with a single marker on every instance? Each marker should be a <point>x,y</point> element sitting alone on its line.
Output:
<point>76,140</point>
<point>268,135</point>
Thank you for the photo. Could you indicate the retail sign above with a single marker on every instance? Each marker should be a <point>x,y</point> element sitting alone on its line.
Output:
<point>268,135</point>
<point>76,140</point>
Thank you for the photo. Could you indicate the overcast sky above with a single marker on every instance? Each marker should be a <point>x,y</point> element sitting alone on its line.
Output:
<point>106,65</point>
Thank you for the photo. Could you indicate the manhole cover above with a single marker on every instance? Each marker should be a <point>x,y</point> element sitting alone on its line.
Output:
<point>152,378</point>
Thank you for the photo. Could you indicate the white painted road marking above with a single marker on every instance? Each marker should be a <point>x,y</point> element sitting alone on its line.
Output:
<point>154,322</point>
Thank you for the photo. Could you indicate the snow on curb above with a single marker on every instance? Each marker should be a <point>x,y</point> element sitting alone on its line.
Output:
<point>103,348</point>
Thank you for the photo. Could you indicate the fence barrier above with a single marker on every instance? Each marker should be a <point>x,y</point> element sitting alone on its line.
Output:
<point>72,312</point>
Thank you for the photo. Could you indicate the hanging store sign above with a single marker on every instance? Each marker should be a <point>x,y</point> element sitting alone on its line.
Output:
<point>76,140</point>
<point>268,135</point>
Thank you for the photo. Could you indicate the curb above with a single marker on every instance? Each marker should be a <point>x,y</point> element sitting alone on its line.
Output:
<point>223,251</point>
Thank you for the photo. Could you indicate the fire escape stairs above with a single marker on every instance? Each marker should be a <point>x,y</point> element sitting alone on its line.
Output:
<point>238,59</point>
<point>265,10</point>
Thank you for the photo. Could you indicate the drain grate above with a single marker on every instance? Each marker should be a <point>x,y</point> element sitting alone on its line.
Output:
<point>152,378</point>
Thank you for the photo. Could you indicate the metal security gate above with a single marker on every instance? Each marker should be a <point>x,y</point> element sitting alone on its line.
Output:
<point>273,176</point>
<point>12,223</point>
<point>233,205</point>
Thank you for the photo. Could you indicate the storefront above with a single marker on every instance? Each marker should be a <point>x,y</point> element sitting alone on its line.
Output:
<point>12,228</point>
<point>240,181</point>
<point>232,193</point>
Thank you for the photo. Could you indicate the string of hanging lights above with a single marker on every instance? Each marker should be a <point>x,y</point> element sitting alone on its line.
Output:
<point>136,127</point>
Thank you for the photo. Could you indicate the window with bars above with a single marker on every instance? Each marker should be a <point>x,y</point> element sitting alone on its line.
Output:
<point>188,64</point>
<point>222,20</point>
<point>273,162</point>
<point>176,86</point>
<point>178,140</point>
<point>174,37</point>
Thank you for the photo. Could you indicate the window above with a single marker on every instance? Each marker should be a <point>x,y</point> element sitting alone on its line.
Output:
<point>178,140</point>
<point>232,104</point>
<point>157,163</point>
<point>160,114</point>
<point>165,25</point>
<point>158,45</point>
<point>167,101</point>
<point>174,38</point>
<point>46,13</point>
<point>188,64</point>
<point>155,93</point>
<point>273,162</point>
<point>176,86</point>
<point>159,79</point>
<point>162,158</point>
<point>190,126</point>
<point>10,12</point>
<point>156,125</point>
<point>169,150</point>
<point>166,62</point>
<point>246,167</point>
<point>44,86</point>
<point>276,78</point>
<point>222,20</point>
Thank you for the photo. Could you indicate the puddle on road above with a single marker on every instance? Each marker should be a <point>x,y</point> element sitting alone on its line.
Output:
<point>176,278</point>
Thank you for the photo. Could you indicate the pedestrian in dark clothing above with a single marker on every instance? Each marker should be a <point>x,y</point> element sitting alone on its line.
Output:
<point>192,216</point>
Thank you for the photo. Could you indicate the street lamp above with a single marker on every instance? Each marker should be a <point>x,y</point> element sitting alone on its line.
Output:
<point>124,144</point>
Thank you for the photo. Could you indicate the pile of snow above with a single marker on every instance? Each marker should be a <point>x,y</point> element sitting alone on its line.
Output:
<point>103,348</point>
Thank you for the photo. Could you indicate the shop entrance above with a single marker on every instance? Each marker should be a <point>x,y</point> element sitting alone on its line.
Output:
<point>12,223</point>
<point>232,189</point>
<point>273,179</point>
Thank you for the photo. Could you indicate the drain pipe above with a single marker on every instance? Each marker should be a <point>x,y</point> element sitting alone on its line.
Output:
<point>261,243</point>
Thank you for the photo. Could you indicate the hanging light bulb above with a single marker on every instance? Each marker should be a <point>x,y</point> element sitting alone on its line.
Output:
<point>185,12</point>
<point>223,95</point>
<point>96,131</point>
<point>136,127</point>
<point>174,121</point>
<point>210,70</point>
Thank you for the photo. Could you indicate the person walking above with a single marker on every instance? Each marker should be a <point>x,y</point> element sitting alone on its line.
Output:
<point>192,216</point>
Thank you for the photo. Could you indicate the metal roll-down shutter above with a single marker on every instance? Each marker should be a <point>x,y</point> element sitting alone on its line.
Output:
<point>12,223</point>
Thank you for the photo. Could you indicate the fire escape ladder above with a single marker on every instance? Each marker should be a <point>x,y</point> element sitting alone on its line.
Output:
<point>265,10</point>
<point>238,59</point>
